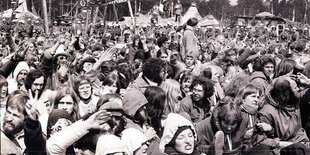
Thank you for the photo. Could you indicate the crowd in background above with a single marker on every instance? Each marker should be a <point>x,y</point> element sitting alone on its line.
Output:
<point>155,89</point>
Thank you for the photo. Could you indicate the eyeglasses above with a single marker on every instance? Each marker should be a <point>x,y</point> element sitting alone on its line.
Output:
<point>65,103</point>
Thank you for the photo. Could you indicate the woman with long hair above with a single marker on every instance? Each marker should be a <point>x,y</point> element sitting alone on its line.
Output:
<point>172,89</point>
<point>156,98</point>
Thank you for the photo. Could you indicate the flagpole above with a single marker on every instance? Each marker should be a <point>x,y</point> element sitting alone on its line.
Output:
<point>45,18</point>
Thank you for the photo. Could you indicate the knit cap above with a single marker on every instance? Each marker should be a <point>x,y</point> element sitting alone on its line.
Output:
<point>54,116</point>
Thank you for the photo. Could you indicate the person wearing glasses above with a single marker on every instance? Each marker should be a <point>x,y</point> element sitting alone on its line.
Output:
<point>55,65</point>
<point>198,104</point>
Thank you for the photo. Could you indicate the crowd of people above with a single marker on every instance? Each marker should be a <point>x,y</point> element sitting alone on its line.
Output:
<point>155,89</point>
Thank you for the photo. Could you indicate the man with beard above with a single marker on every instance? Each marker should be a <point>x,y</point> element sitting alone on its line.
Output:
<point>35,83</point>
<point>198,104</point>
<point>13,123</point>
<point>154,72</point>
<point>19,75</point>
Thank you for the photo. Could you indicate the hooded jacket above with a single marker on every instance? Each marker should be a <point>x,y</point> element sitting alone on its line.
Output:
<point>206,130</point>
<point>133,139</point>
<point>173,122</point>
<point>12,83</point>
<point>285,122</point>
<point>109,144</point>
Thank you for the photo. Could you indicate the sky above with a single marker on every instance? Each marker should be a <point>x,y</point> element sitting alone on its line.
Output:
<point>233,2</point>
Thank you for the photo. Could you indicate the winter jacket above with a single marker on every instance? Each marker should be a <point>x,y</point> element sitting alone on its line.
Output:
<point>285,122</point>
<point>195,112</point>
<point>12,83</point>
<point>35,141</point>
<point>206,130</point>
<point>190,42</point>
<point>7,68</point>
<point>59,142</point>
<point>141,83</point>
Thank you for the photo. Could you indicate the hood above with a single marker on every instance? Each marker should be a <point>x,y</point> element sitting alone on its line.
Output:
<point>108,144</point>
<point>133,139</point>
<point>20,66</point>
<point>173,122</point>
<point>132,101</point>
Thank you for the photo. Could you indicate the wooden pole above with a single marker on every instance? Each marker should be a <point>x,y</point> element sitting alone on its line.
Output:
<point>86,22</point>
<point>105,18</point>
<point>45,18</point>
<point>95,14</point>
<point>115,13</point>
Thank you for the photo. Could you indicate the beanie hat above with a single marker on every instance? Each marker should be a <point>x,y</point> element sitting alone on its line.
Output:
<point>173,123</point>
<point>108,144</point>
<point>132,101</point>
<point>133,139</point>
<point>115,108</point>
<point>54,116</point>
<point>20,66</point>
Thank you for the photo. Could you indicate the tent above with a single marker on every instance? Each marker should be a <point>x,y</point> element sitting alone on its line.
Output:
<point>264,14</point>
<point>21,12</point>
<point>191,12</point>
<point>208,20</point>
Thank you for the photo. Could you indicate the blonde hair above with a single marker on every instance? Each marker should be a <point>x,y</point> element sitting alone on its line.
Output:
<point>170,86</point>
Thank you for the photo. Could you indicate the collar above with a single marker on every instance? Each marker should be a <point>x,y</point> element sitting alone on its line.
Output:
<point>151,83</point>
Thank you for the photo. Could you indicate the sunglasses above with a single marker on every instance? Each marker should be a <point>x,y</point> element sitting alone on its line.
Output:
<point>62,57</point>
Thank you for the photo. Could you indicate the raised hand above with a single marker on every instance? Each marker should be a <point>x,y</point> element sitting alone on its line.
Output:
<point>63,69</point>
<point>107,55</point>
<point>31,106</point>
<point>97,120</point>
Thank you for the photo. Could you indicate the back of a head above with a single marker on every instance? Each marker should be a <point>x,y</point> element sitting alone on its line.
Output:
<point>192,21</point>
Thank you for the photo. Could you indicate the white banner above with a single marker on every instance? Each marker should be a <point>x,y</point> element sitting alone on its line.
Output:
<point>115,2</point>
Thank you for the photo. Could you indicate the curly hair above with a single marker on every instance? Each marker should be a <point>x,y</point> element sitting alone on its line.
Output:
<point>152,68</point>
<point>207,85</point>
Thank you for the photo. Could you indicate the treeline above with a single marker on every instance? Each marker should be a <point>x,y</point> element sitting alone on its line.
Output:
<point>297,10</point>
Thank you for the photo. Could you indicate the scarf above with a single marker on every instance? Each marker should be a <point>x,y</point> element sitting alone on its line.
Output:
<point>249,108</point>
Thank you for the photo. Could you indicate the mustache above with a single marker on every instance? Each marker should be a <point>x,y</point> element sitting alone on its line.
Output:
<point>6,122</point>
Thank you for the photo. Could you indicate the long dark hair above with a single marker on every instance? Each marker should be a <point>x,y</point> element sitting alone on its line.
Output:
<point>283,94</point>
<point>156,102</point>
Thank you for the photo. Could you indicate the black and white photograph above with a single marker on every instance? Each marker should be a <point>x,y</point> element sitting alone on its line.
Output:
<point>155,77</point>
